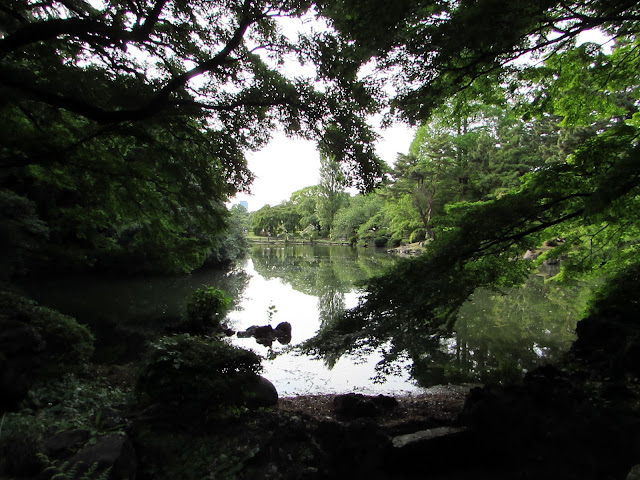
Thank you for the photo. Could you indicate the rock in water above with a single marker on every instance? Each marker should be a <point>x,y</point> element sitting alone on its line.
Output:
<point>283,332</point>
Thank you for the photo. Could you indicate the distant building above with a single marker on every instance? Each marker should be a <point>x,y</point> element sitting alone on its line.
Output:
<point>245,204</point>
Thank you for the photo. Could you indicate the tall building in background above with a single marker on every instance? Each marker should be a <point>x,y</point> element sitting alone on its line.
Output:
<point>245,204</point>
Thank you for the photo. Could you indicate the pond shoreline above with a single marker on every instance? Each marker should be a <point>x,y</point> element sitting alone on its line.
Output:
<point>295,241</point>
<point>445,405</point>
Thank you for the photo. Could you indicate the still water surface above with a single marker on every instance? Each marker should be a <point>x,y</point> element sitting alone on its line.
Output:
<point>498,337</point>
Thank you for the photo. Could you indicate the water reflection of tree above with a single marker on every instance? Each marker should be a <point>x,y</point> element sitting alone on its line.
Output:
<point>323,271</point>
<point>331,307</point>
<point>497,337</point>
<point>313,269</point>
<point>326,272</point>
<point>124,312</point>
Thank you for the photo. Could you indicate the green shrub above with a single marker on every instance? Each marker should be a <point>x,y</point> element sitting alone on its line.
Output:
<point>394,242</point>
<point>619,293</point>
<point>380,241</point>
<point>57,470</point>
<point>73,403</point>
<point>19,453</point>
<point>206,309</point>
<point>418,235</point>
<point>67,343</point>
<point>196,374</point>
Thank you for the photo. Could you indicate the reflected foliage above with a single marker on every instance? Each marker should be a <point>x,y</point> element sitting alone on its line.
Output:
<point>124,313</point>
<point>497,336</point>
<point>318,269</point>
<point>326,272</point>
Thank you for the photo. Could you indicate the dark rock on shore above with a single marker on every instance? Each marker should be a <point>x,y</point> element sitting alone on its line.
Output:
<point>357,405</point>
<point>609,343</point>
<point>443,446</point>
<point>577,422</point>
<point>261,393</point>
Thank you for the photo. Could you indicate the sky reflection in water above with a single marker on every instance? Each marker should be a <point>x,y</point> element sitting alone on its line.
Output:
<point>295,374</point>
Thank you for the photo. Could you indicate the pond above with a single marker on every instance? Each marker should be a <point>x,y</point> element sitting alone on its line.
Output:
<point>497,337</point>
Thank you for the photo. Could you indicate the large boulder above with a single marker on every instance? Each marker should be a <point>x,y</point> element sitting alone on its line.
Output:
<point>358,449</point>
<point>260,393</point>
<point>111,451</point>
<point>553,422</point>
<point>63,444</point>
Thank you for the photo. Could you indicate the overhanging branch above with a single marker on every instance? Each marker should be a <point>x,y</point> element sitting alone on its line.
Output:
<point>88,29</point>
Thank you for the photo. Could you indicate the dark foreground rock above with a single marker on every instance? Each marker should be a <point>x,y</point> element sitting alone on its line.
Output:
<point>261,393</point>
<point>114,452</point>
<point>63,444</point>
<point>354,405</point>
<point>552,426</point>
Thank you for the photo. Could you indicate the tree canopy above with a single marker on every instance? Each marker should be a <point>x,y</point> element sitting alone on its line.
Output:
<point>432,50</point>
<point>124,124</point>
<point>575,135</point>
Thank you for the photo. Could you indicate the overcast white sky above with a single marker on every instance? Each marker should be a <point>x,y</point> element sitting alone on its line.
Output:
<point>287,165</point>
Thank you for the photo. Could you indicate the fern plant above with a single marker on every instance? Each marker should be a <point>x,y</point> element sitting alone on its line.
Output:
<point>73,471</point>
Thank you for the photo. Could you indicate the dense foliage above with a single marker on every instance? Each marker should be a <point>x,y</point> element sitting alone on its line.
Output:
<point>561,168</point>
<point>64,345</point>
<point>37,342</point>
<point>197,375</point>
